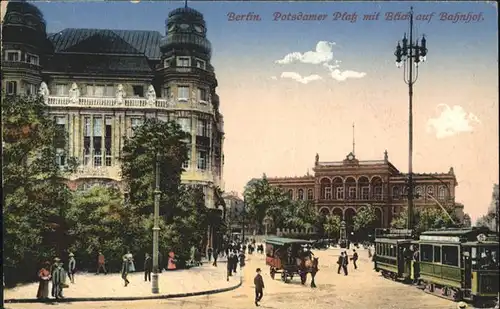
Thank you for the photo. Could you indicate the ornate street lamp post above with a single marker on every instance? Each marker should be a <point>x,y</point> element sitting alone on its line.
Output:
<point>407,56</point>
<point>343,233</point>
<point>156,229</point>
<point>243,215</point>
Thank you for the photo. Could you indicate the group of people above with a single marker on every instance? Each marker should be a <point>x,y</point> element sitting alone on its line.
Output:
<point>56,274</point>
<point>343,261</point>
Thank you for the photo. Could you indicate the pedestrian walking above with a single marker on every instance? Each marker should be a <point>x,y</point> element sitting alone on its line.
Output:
<point>229,265</point>
<point>342,262</point>
<point>43,286</point>
<point>345,263</point>
<point>125,270</point>
<point>71,267</point>
<point>58,278</point>
<point>148,267</point>
<point>216,255</point>
<point>235,261</point>
<point>259,287</point>
<point>242,259</point>
<point>354,258</point>
<point>101,263</point>
<point>130,259</point>
<point>369,252</point>
<point>209,253</point>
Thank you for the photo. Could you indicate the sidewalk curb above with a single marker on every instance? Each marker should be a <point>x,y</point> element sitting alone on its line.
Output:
<point>100,299</point>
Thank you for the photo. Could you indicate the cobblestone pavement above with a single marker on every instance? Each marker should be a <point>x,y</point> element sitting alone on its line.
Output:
<point>195,279</point>
<point>362,289</point>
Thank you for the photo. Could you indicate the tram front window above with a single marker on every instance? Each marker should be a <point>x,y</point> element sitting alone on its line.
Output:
<point>488,258</point>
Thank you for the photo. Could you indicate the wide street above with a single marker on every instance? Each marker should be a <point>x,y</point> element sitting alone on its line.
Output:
<point>362,288</point>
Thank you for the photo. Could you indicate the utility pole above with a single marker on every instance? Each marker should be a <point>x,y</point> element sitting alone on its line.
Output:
<point>156,229</point>
<point>243,213</point>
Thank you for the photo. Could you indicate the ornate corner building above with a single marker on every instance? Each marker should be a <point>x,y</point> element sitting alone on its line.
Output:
<point>100,84</point>
<point>344,187</point>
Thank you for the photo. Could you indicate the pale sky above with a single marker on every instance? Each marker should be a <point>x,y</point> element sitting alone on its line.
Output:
<point>279,114</point>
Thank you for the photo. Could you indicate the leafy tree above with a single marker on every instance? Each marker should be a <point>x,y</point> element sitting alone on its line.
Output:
<point>261,200</point>
<point>301,214</point>
<point>365,219</point>
<point>332,226</point>
<point>425,219</point>
<point>489,219</point>
<point>138,164</point>
<point>35,197</point>
<point>98,219</point>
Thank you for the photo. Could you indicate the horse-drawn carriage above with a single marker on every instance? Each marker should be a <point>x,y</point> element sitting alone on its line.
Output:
<point>291,257</point>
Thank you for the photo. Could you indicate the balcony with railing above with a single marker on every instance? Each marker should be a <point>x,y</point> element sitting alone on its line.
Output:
<point>129,103</point>
<point>20,65</point>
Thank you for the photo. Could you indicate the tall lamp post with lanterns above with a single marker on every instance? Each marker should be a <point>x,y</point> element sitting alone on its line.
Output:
<point>156,228</point>
<point>409,56</point>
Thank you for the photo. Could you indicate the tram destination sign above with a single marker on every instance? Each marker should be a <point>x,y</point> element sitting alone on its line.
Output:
<point>440,238</point>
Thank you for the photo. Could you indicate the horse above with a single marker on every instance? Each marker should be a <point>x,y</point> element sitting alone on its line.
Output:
<point>308,265</point>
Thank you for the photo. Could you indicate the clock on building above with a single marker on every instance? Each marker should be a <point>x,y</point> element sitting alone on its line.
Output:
<point>184,26</point>
<point>198,29</point>
<point>350,157</point>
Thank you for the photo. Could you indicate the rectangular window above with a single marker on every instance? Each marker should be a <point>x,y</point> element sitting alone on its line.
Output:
<point>437,254</point>
<point>138,90</point>
<point>365,193</point>
<point>86,140</point>
<point>201,64</point>
<point>352,193</point>
<point>97,141</point>
<point>30,89</point>
<point>310,194</point>
<point>13,56</point>
<point>202,159</point>
<point>377,193</point>
<point>108,140</point>
<point>134,124</point>
<point>100,90</point>
<point>183,93</point>
<point>328,193</point>
<point>60,157</point>
<point>426,253</point>
<point>62,90</point>
<point>61,132</point>
<point>183,61</point>
<point>450,255</point>
<point>340,193</point>
<point>202,95</point>
<point>167,92</point>
<point>12,87</point>
<point>201,128</point>
<point>33,59</point>
<point>186,163</point>
<point>185,124</point>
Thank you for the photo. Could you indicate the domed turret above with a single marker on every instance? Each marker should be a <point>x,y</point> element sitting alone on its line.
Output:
<point>186,30</point>
<point>24,23</point>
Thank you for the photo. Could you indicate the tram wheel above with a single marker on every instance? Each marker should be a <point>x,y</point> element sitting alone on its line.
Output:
<point>283,276</point>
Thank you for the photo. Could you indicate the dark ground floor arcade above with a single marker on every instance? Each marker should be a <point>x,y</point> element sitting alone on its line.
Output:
<point>347,213</point>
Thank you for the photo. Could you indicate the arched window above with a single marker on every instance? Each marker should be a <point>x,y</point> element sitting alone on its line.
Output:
<point>418,192</point>
<point>396,195</point>
<point>430,190</point>
<point>442,193</point>
<point>290,194</point>
<point>301,194</point>
<point>310,195</point>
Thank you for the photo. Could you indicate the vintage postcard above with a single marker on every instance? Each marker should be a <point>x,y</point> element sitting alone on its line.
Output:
<point>236,154</point>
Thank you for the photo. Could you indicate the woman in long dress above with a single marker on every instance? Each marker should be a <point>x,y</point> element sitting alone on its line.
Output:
<point>44,276</point>
<point>130,259</point>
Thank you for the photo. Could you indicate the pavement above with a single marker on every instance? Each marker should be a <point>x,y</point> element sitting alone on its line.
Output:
<point>363,288</point>
<point>205,279</point>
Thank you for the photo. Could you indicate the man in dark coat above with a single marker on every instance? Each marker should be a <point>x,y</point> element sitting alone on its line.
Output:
<point>58,278</point>
<point>259,287</point>
<point>216,255</point>
<point>229,265</point>
<point>125,270</point>
<point>354,258</point>
<point>209,253</point>
<point>235,261</point>
<point>148,267</point>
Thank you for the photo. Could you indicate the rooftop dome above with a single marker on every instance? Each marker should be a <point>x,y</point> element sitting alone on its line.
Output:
<point>22,13</point>
<point>185,28</point>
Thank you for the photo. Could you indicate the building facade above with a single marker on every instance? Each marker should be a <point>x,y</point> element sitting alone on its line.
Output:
<point>101,84</point>
<point>344,187</point>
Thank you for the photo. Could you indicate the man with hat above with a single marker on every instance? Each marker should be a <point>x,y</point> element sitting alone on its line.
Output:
<point>259,287</point>
<point>71,267</point>
<point>461,305</point>
<point>58,278</point>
